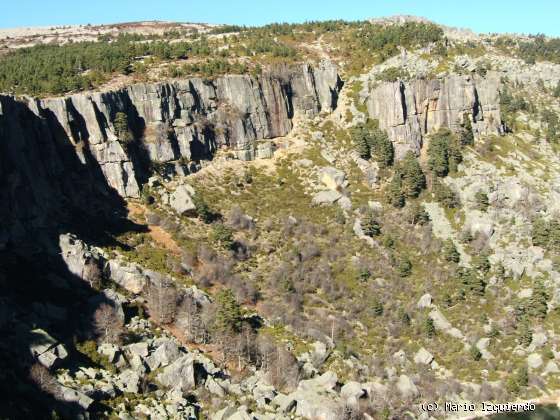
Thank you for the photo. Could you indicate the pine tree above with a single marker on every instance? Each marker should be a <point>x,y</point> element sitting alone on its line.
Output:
<point>382,148</point>
<point>370,225</point>
<point>394,193</point>
<point>466,133</point>
<point>481,262</point>
<point>228,312</point>
<point>429,327</point>
<point>450,252</point>
<point>360,140</point>
<point>413,179</point>
<point>122,129</point>
<point>538,303</point>
<point>525,335</point>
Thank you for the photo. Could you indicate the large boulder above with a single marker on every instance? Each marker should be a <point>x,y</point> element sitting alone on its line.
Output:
<point>180,374</point>
<point>46,349</point>
<point>406,387</point>
<point>166,353</point>
<point>334,179</point>
<point>128,276</point>
<point>423,357</point>
<point>71,395</point>
<point>181,200</point>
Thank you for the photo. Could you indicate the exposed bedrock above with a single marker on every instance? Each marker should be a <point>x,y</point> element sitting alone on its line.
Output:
<point>409,110</point>
<point>183,120</point>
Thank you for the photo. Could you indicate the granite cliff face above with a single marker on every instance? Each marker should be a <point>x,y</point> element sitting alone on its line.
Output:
<point>410,110</point>
<point>65,149</point>
<point>185,119</point>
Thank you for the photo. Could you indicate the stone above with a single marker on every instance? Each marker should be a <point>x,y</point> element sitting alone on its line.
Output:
<point>129,381</point>
<point>313,405</point>
<point>328,156</point>
<point>327,381</point>
<point>109,350</point>
<point>406,387</point>
<point>166,353</point>
<point>441,323</point>
<point>326,197</point>
<point>425,301</point>
<point>551,368</point>
<point>45,348</point>
<point>334,179</point>
<point>285,403</point>
<point>128,276</point>
<point>71,395</point>
<point>140,349</point>
<point>181,200</point>
<point>423,357</point>
<point>214,387</point>
<point>534,361</point>
<point>179,374</point>
<point>352,389</point>
<point>345,203</point>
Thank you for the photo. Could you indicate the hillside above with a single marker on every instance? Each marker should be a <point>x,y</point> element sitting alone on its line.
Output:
<point>330,220</point>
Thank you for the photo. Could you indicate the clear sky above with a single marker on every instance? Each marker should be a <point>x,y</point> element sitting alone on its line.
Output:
<point>524,16</point>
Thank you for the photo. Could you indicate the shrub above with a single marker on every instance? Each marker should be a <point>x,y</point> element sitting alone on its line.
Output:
<point>450,252</point>
<point>404,267</point>
<point>370,225</point>
<point>481,199</point>
<point>202,210</point>
<point>222,235</point>
<point>475,353</point>
<point>445,195</point>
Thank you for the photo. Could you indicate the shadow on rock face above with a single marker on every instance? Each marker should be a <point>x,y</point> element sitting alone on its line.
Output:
<point>46,190</point>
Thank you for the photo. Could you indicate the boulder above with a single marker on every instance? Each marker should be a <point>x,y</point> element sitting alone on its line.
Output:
<point>325,382</point>
<point>284,403</point>
<point>71,395</point>
<point>334,179</point>
<point>425,301</point>
<point>406,387</point>
<point>166,353</point>
<point>326,197</point>
<point>181,199</point>
<point>180,374</point>
<point>128,276</point>
<point>45,348</point>
<point>534,361</point>
<point>551,368</point>
<point>214,387</point>
<point>128,381</point>
<point>111,351</point>
<point>312,405</point>
<point>352,390</point>
<point>139,349</point>
<point>423,357</point>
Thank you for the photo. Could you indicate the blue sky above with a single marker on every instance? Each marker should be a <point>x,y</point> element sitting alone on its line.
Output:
<point>480,15</point>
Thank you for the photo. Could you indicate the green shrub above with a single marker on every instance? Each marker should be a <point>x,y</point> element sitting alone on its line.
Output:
<point>450,252</point>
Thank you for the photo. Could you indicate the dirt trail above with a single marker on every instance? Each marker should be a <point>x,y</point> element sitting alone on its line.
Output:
<point>136,213</point>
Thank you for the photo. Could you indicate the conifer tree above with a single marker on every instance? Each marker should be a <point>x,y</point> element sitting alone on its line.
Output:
<point>450,252</point>
<point>228,312</point>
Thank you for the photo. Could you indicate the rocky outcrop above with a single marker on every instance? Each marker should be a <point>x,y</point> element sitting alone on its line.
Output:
<point>409,110</point>
<point>183,119</point>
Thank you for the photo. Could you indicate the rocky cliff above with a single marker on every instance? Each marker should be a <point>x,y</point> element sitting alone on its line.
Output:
<point>59,152</point>
<point>409,110</point>
<point>168,121</point>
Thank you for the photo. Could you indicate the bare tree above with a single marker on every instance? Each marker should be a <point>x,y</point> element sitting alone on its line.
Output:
<point>107,323</point>
<point>41,377</point>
